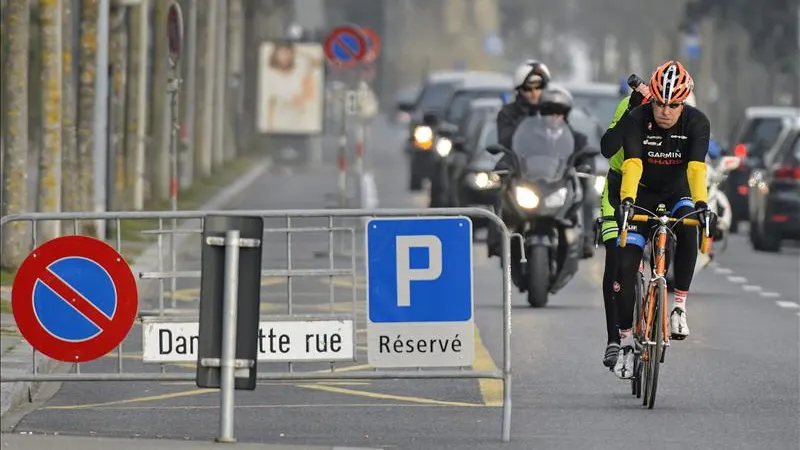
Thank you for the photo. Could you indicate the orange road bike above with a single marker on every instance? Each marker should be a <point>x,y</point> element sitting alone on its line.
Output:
<point>651,329</point>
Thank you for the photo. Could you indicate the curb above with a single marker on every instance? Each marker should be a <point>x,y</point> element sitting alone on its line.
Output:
<point>18,360</point>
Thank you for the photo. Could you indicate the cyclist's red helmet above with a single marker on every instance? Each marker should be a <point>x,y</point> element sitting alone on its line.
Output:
<point>671,83</point>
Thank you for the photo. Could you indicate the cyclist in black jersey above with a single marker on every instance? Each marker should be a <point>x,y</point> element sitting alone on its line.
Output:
<point>665,143</point>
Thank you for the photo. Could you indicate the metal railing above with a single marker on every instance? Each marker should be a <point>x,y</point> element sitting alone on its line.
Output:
<point>293,271</point>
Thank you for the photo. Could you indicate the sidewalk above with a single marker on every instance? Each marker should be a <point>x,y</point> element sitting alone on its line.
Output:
<point>16,355</point>
<point>39,442</point>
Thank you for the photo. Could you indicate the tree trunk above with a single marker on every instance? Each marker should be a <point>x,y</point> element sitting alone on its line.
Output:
<point>159,147</point>
<point>136,105</point>
<point>118,58</point>
<point>49,192</point>
<point>204,124</point>
<point>88,52</point>
<point>15,166</point>
<point>70,190</point>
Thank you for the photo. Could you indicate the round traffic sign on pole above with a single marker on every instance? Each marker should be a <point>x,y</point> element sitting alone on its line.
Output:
<point>345,46</point>
<point>74,299</point>
<point>174,33</point>
<point>373,44</point>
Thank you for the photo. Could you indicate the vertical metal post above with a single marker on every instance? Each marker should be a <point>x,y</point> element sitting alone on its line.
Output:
<point>101,114</point>
<point>228,360</point>
<point>506,426</point>
<point>174,87</point>
<point>191,82</point>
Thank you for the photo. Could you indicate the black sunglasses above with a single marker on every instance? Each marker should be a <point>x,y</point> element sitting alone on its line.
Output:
<point>667,105</point>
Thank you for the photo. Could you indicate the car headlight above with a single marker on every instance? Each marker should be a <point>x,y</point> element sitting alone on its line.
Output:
<point>556,199</point>
<point>526,198</point>
<point>484,180</point>
<point>423,137</point>
<point>599,184</point>
<point>444,146</point>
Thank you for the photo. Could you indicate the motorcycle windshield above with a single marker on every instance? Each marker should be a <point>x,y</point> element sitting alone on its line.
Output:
<point>543,145</point>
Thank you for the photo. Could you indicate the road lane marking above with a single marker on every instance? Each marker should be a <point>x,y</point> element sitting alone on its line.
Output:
<point>381,396</point>
<point>737,280</point>
<point>787,305</point>
<point>769,294</point>
<point>193,294</point>
<point>723,271</point>
<point>307,405</point>
<point>751,288</point>
<point>491,390</point>
<point>149,398</point>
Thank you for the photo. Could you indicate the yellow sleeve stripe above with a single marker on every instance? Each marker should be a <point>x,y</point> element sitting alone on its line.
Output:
<point>631,174</point>
<point>696,174</point>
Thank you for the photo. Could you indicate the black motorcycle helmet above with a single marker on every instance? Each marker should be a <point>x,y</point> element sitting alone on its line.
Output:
<point>555,100</point>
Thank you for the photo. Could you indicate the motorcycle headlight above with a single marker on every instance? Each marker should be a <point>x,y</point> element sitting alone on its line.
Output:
<point>484,180</point>
<point>556,199</point>
<point>599,184</point>
<point>444,146</point>
<point>423,137</point>
<point>526,198</point>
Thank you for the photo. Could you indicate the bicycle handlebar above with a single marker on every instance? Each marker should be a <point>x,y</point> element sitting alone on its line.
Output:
<point>705,246</point>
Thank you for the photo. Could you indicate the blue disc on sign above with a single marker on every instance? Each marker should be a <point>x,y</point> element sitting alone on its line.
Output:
<point>64,320</point>
<point>346,47</point>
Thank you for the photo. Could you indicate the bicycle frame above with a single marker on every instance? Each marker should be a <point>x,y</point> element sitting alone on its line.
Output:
<point>654,344</point>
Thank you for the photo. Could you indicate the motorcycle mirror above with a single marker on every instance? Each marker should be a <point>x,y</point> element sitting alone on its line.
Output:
<point>585,168</point>
<point>495,149</point>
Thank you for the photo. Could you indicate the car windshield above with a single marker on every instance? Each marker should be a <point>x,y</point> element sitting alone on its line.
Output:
<point>797,148</point>
<point>459,105</point>
<point>490,136</point>
<point>543,145</point>
<point>601,106</point>
<point>762,133</point>
<point>435,96</point>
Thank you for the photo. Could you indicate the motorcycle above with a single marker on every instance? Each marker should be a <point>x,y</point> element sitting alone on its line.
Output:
<point>719,204</point>
<point>541,201</point>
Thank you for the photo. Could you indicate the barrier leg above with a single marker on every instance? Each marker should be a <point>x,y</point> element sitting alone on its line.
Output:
<point>228,362</point>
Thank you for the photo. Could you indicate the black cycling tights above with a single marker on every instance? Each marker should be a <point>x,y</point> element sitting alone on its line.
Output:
<point>683,263</point>
<point>609,277</point>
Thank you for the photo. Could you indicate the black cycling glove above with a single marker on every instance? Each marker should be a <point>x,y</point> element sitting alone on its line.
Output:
<point>625,210</point>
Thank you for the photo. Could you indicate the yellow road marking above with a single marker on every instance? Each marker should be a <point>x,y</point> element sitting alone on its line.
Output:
<point>193,294</point>
<point>307,405</point>
<point>275,383</point>
<point>491,390</point>
<point>346,282</point>
<point>150,398</point>
<point>380,396</point>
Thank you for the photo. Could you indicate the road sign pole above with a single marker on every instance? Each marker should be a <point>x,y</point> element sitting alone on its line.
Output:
<point>174,42</point>
<point>228,363</point>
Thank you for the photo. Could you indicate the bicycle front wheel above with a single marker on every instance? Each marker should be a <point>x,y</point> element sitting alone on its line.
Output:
<point>657,349</point>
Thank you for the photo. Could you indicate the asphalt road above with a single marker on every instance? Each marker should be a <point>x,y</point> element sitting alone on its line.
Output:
<point>733,384</point>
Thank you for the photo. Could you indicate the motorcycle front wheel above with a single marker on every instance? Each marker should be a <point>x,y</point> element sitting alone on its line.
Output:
<point>538,276</point>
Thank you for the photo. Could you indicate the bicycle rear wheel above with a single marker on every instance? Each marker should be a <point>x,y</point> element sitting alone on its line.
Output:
<point>658,337</point>
<point>636,381</point>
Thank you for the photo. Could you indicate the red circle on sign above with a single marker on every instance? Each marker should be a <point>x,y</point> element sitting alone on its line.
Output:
<point>113,330</point>
<point>373,44</point>
<point>335,36</point>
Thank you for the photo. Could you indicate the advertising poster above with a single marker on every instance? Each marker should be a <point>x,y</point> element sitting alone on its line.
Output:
<point>291,88</point>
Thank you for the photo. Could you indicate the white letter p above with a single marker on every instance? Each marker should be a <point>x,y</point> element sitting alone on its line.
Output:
<point>405,274</point>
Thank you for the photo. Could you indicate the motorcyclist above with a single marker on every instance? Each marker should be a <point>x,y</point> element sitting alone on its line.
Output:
<point>554,101</point>
<point>530,78</point>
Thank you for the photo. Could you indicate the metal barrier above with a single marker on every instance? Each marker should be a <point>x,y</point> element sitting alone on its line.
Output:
<point>292,225</point>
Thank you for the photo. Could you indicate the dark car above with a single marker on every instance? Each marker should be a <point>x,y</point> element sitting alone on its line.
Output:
<point>449,131</point>
<point>434,97</point>
<point>774,196</point>
<point>754,139</point>
<point>470,175</point>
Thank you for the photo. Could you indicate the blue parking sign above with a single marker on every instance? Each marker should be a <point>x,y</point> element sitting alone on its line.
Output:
<point>419,285</point>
